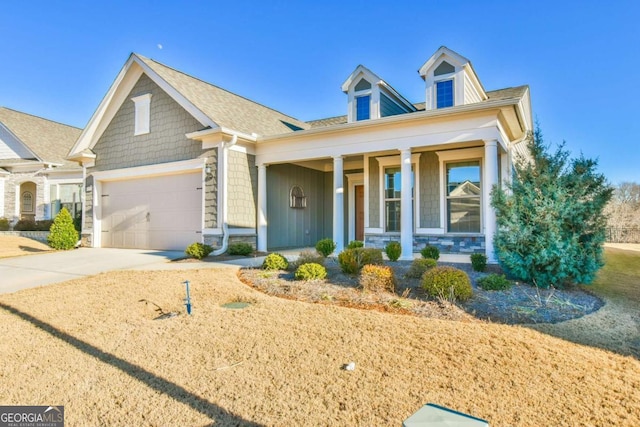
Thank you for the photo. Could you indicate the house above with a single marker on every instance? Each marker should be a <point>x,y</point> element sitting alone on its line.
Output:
<point>36,179</point>
<point>171,159</point>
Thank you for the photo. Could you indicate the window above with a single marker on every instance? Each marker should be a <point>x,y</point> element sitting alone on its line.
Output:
<point>463,197</point>
<point>444,94</point>
<point>392,194</point>
<point>363,107</point>
<point>142,114</point>
<point>27,202</point>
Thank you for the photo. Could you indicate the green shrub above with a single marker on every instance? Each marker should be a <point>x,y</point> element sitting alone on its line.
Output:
<point>325,247</point>
<point>306,257</point>
<point>494,282</point>
<point>198,250</point>
<point>419,266</point>
<point>4,224</point>
<point>275,261</point>
<point>479,262</point>
<point>241,248</point>
<point>355,244</point>
<point>447,282</point>
<point>376,278</point>
<point>29,225</point>
<point>430,251</point>
<point>63,234</point>
<point>310,271</point>
<point>393,250</point>
<point>352,260</point>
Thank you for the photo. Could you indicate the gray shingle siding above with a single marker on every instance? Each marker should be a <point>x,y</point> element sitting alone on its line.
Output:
<point>166,142</point>
<point>243,190</point>
<point>429,190</point>
<point>211,191</point>
<point>374,193</point>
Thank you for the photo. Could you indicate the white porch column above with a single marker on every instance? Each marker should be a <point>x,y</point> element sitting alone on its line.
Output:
<point>262,208</point>
<point>490,178</point>
<point>406,208</point>
<point>338,203</point>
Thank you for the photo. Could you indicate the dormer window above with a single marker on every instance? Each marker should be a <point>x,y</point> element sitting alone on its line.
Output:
<point>363,107</point>
<point>444,94</point>
<point>142,114</point>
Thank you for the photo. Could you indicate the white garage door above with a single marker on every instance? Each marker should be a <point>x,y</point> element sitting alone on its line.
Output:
<point>152,213</point>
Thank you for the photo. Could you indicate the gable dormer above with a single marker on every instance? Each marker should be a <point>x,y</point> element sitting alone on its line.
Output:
<point>450,80</point>
<point>370,97</point>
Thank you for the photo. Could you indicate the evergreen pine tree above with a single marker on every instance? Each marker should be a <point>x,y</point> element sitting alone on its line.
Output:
<point>551,225</point>
<point>62,234</point>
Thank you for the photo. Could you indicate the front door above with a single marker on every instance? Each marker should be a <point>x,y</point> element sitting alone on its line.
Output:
<point>359,212</point>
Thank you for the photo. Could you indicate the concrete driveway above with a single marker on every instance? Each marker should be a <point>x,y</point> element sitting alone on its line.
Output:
<point>37,270</point>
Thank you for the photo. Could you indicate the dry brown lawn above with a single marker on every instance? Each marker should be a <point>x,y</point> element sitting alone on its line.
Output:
<point>15,246</point>
<point>91,345</point>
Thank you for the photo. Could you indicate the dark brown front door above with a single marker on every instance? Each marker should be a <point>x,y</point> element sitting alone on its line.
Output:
<point>359,212</point>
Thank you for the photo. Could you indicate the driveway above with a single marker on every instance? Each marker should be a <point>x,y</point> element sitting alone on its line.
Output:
<point>43,269</point>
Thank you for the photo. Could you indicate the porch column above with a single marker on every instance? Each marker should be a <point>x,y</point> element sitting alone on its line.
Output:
<point>338,203</point>
<point>406,208</point>
<point>490,178</point>
<point>262,208</point>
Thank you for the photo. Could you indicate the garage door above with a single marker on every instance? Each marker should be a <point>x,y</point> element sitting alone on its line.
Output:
<point>152,213</point>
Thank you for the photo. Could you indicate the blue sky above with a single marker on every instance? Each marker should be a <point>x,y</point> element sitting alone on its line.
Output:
<point>580,58</point>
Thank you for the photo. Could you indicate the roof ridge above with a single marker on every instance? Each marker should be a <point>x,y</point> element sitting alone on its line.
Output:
<point>220,88</point>
<point>41,118</point>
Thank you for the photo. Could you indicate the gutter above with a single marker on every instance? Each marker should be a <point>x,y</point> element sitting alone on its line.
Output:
<point>225,195</point>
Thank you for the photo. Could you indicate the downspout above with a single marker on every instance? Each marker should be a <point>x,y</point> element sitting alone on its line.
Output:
<point>225,195</point>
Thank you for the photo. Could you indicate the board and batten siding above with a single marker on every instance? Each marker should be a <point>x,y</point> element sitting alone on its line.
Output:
<point>429,190</point>
<point>166,142</point>
<point>291,227</point>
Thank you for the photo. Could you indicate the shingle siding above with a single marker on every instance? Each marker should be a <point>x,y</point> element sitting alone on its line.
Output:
<point>374,193</point>
<point>211,191</point>
<point>243,190</point>
<point>166,142</point>
<point>429,190</point>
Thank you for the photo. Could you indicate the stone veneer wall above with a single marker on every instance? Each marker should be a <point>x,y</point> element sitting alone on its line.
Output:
<point>15,180</point>
<point>40,236</point>
<point>448,244</point>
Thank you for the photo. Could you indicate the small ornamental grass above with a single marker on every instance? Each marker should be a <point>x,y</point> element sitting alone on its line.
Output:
<point>494,282</point>
<point>479,262</point>
<point>393,250</point>
<point>198,250</point>
<point>375,278</point>
<point>275,261</point>
<point>352,260</point>
<point>62,234</point>
<point>430,251</point>
<point>419,266</point>
<point>306,257</point>
<point>448,283</point>
<point>240,248</point>
<point>325,247</point>
<point>310,271</point>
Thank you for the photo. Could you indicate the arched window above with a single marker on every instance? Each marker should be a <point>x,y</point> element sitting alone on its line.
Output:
<point>297,198</point>
<point>27,202</point>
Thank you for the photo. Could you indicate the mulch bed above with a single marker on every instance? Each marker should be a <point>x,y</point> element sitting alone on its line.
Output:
<point>522,304</point>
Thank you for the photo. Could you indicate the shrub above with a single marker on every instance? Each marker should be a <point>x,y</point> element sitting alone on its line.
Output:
<point>306,257</point>
<point>352,260</point>
<point>430,251</point>
<point>275,261</point>
<point>447,282</point>
<point>198,250</point>
<point>494,282</point>
<point>325,247</point>
<point>355,244</point>
<point>29,225</point>
<point>4,224</point>
<point>479,262</point>
<point>419,266</point>
<point>310,271</point>
<point>393,250</point>
<point>241,248</point>
<point>63,234</point>
<point>377,278</point>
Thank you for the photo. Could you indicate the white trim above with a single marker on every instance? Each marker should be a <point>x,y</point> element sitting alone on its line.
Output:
<point>242,231</point>
<point>373,230</point>
<point>354,180</point>
<point>439,231</point>
<point>366,191</point>
<point>142,114</point>
<point>385,161</point>
<point>173,168</point>
<point>459,155</point>
<point>212,231</point>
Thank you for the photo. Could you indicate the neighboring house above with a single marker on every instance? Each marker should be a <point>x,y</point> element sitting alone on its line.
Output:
<point>36,179</point>
<point>171,160</point>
